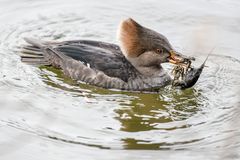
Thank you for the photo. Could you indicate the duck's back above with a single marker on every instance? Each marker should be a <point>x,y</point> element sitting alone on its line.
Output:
<point>100,56</point>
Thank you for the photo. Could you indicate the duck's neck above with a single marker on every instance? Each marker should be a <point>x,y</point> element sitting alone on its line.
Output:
<point>153,76</point>
<point>153,71</point>
<point>145,68</point>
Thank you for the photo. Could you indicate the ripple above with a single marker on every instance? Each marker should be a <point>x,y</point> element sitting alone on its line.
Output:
<point>43,103</point>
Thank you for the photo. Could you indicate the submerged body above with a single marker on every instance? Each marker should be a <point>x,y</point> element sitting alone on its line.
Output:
<point>135,65</point>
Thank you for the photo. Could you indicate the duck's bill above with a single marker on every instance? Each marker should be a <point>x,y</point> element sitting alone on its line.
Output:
<point>177,58</point>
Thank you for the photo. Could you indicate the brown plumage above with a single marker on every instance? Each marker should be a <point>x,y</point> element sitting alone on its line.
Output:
<point>129,38</point>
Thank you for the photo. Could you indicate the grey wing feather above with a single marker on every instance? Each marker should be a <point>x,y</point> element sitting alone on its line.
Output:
<point>98,55</point>
<point>101,56</point>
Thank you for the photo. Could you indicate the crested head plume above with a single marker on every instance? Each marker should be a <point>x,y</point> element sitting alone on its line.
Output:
<point>128,35</point>
<point>135,39</point>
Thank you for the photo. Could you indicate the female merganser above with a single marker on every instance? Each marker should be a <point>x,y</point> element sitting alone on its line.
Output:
<point>135,65</point>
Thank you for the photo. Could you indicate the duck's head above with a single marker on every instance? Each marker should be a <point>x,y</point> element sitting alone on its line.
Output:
<point>144,48</point>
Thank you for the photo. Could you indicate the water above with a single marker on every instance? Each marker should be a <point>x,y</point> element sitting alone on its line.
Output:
<point>45,115</point>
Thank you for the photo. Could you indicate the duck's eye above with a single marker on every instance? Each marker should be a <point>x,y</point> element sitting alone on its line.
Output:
<point>159,51</point>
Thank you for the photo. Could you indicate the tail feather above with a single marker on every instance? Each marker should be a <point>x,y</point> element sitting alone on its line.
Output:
<point>33,48</point>
<point>35,61</point>
<point>38,53</point>
<point>33,54</point>
<point>27,55</point>
<point>35,42</point>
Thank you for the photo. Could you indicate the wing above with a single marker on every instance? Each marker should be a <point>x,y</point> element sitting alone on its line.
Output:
<point>101,56</point>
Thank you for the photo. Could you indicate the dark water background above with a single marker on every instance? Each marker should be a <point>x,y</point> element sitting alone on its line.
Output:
<point>44,115</point>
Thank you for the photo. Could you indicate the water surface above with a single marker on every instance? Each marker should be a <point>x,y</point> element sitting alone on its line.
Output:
<point>45,115</point>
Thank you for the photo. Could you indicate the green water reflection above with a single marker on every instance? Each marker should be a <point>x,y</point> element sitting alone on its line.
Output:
<point>143,111</point>
<point>147,111</point>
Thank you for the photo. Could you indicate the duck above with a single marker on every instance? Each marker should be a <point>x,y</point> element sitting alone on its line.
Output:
<point>133,65</point>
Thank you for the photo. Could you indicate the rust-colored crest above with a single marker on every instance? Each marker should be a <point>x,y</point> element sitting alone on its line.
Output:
<point>128,35</point>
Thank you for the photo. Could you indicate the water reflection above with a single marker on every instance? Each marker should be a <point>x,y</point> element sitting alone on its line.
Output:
<point>140,112</point>
<point>147,111</point>
<point>131,143</point>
